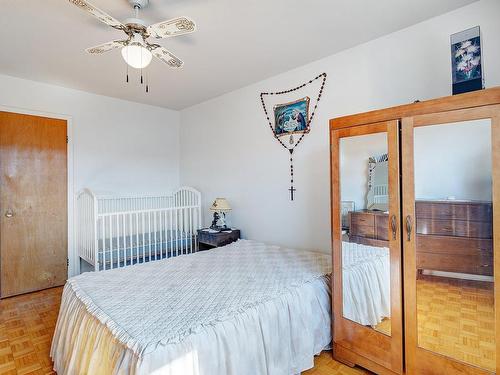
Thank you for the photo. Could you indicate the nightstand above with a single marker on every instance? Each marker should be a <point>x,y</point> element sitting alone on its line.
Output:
<point>208,240</point>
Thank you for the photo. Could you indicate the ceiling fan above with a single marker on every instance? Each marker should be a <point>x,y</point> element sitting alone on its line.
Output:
<point>137,51</point>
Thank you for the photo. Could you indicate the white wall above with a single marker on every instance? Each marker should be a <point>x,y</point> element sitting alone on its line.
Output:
<point>118,146</point>
<point>354,155</point>
<point>227,148</point>
<point>453,161</point>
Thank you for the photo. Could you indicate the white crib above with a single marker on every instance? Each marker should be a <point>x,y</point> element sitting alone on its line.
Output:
<point>118,231</point>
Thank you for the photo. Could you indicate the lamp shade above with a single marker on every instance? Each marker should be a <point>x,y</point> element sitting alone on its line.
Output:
<point>136,54</point>
<point>220,205</point>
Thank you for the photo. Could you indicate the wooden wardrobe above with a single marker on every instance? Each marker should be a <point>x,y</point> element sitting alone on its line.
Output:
<point>419,294</point>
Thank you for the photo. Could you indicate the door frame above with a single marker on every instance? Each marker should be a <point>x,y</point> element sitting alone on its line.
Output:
<point>420,360</point>
<point>73,260</point>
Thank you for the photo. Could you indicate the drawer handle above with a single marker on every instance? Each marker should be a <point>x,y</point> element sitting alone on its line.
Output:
<point>409,225</point>
<point>394,226</point>
<point>485,265</point>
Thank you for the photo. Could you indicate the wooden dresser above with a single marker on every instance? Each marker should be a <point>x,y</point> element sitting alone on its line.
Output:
<point>369,227</point>
<point>455,236</point>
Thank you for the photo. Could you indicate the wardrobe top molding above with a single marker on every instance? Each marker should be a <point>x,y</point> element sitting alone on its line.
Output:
<point>448,103</point>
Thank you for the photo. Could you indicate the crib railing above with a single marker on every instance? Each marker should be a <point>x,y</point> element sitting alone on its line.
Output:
<point>381,194</point>
<point>120,231</point>
<point>108,204</point>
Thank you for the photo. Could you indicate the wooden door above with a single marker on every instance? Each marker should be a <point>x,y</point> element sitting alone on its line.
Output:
<point>451,240</point>
<point>376,341</point>
<point>33,203</point>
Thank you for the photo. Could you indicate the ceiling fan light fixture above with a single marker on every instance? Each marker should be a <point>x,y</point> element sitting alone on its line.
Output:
<point>137,51</point>
<point>136,55</point>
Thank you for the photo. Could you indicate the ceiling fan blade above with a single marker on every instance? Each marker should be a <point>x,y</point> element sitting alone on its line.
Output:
<point>173,27</point>
<point>167,57</point>
<point>97,13</point>
<point>105,47</point>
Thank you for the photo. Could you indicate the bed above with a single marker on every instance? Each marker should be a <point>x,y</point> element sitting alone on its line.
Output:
<point>245,308</point>
<point>366,283</point>
<point>115,231</point>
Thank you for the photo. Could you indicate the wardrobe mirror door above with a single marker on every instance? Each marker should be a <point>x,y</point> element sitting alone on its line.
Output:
<point>364,192</point>
<point>454,241</point>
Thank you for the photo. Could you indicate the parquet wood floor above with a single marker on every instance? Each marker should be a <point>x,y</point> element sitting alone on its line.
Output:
<point>27,323</point>
<point>324,364</point>
<point>457,319</point>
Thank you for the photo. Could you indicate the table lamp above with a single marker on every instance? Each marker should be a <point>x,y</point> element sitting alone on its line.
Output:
<point>220,206</point>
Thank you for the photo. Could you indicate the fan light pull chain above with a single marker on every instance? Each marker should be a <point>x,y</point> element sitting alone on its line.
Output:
<point>147,82</point>
<point>142,81</point>
<point>127,66</point>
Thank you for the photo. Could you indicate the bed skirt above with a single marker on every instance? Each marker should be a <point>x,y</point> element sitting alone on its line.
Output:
<point>280,336</point>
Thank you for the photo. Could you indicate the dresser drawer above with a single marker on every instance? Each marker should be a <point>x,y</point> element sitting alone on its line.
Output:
<point>207,237</point>
<point>362,218</point>
<point>450,246</point>
<point>458,228</point>
<point>471,264</point>
<point>468,211</point>
<point>362,230</point>
<point>382,227</point>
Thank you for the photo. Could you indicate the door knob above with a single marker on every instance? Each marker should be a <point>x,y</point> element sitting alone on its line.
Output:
<point>394,226</point>
<point>9,213</point>
<point>409,226</point>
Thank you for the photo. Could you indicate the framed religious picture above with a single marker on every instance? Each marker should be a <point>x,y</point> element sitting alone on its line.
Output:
<point>291,118</point>
<point>466,61</point>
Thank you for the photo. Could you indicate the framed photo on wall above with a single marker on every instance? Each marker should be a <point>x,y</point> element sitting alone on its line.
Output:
<point>291,118</point>
<point>466,61</point>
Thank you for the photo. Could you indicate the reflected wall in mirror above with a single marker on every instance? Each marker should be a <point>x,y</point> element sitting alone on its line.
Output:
<point>454,246</point>
<point>365,232</point>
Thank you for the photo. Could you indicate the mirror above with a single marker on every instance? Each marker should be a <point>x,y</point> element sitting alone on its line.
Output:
<point>365,231</point>
<point>377,197</point>
<point>454,241</point>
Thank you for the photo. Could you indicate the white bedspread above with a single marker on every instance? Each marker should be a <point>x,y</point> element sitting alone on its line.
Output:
<point>246,308</point>
<point>366,283</point>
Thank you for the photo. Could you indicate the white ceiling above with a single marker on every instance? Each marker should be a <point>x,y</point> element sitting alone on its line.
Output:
<point>238,42</point>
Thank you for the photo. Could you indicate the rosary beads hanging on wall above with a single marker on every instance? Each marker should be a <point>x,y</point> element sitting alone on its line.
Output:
<point>292,118</point>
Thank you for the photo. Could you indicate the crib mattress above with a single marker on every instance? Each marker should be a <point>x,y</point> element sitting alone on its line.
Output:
<point>246,308</point>
<point>143,239</point>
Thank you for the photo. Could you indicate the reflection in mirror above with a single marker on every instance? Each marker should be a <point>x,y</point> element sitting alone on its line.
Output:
<point>365,231</point>
<point>454,246</point>
<point>378,189</point>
